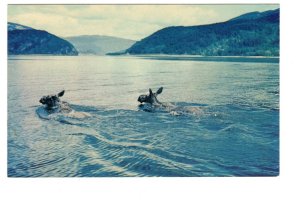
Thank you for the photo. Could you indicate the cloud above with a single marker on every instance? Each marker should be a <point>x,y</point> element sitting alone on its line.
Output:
<point>149,14</point>
<point>55,24</point>
<point>128,21</point>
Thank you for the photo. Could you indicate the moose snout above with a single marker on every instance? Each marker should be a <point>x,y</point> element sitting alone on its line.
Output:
<point>139,100</point>
<point>142,98</point>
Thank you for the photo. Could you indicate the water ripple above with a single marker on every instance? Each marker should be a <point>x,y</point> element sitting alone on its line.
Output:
<point>221,118</point>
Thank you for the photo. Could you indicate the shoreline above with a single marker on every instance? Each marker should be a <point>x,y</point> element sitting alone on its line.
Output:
<point>263,59</point>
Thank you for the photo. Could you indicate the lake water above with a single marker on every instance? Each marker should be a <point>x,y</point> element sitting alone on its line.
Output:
<point>233,132</point>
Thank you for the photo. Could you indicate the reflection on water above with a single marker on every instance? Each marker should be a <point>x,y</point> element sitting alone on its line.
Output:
<point>235,131</point>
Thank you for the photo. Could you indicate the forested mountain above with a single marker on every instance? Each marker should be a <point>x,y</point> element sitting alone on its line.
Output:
<point>251,34</point>
<point>23,40</point>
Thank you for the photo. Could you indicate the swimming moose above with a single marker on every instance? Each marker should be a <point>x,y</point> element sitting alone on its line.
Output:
<point>150,103</point>
<point>53,104</point>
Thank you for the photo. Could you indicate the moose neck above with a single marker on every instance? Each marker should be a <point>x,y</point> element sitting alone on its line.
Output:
<point>155,101</point>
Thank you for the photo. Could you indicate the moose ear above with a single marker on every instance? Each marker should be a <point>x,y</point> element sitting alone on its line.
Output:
<point>150,91</point>
<point>61,93</point>
<point>159,90</point>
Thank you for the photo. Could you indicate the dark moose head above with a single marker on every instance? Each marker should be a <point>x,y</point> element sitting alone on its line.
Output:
<point>151,98</point>
<point>51,101</point>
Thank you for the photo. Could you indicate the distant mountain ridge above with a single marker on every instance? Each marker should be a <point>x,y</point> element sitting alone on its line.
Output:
<point>24,40</point>
<point>251,34</point>
<point>99,44</point>
<point>270,15</point>
<point>13,26</point>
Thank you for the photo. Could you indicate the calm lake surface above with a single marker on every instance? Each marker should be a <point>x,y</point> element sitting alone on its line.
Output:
<point>229,125</point>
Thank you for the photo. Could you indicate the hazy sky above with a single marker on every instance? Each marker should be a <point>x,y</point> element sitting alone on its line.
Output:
<point>126,21</point>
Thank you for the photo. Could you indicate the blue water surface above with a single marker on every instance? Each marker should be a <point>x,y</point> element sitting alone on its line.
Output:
<point>224,119</point>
